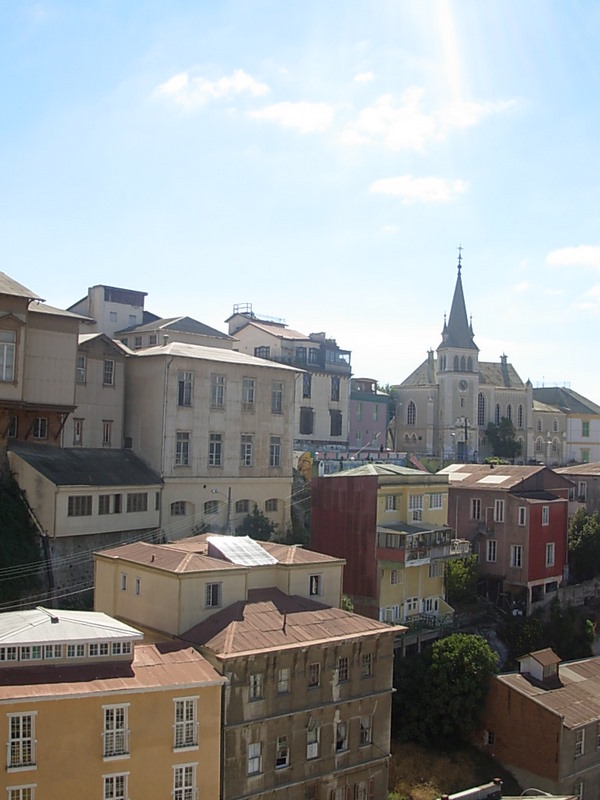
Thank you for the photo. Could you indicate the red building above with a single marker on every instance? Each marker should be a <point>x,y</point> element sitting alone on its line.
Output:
<point>516,518</point>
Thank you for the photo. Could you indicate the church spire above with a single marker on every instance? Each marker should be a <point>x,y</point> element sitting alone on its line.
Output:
<point>458,331</point>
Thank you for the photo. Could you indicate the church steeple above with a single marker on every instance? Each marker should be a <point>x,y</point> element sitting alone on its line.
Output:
<point>458,332</point>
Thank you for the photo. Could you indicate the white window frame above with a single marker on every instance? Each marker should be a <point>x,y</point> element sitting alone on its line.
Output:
<point>390,502</point>
<point>116,786</point>
<point>215,450</point>
<point>182,448</point>
<point>313,740</point>
<point>184,782</point>
<point>21,741</point>
<point>115,731</point>
<point>25,792</point>
<point>522,515</point>
<point>8,349</point>
<point>247,450</point>
<point>366,731</point>
<point>185,724</point>
<point>550,554</point>
<point>492,550</point>
<point>254,758</point>
<point>498,510</point>
<point>545,515</point>
<point>185,388</point>
<point>248,393</point>
<point>283,680</point>
<point>217,391</point>
<point>256,686</point>
<point>315,585</point>
<point>579,742</point>
<point>475,508</point>
<point>275,451</point>
<point>282,752</point>
<point>415,502</point>
<point>213,594</point>
<point>436,501</point>
<point>516,556</point>
<point>108,372</point>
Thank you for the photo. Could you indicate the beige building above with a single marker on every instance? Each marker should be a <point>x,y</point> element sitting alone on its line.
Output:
<point>186,330</point>
<point>321,416</point>
<point>549,434</point>
<point>582,424</point>
<point>88,711</point>
<point>216,426</point>
<point>307,707</point>
<point>110,309</point>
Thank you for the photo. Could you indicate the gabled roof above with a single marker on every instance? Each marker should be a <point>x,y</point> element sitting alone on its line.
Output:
<point>42,625</point>
<point>271,620</point>
<point>210,354</point>
<point>9,286</point>
<point>44,308</point>
<point>566,399</point>
<point>86,466</point>
<point>376,469</point>
<point>485,476</point>
<point>500,375</point>
<point>423,375</point>
<point>181,324</point>
<point>116,346</point>
<point>279,331</point>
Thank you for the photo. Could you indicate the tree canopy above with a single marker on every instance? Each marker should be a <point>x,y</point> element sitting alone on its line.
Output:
<point>502,439</point>
<point>440,692</point>
<point>257,526</point>
<point>461,580</point>
<point>584,545</point>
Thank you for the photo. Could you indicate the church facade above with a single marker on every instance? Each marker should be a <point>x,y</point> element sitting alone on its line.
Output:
<point>444,407</point>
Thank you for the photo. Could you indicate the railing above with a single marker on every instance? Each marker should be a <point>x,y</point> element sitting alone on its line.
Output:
<point>428,621</point>
<point>21,753</point>
<point>116,743</point>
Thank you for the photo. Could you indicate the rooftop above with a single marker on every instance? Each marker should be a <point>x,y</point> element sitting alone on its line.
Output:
<point>9,286</point>
<point>566,399</point>
<point>43,626</point>
<point>202,353</point>
<point>592,469</point>
<point>181,324</point>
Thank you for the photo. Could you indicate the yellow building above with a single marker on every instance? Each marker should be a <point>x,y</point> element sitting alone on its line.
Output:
<point>390,524</point>
<point>91,713</point>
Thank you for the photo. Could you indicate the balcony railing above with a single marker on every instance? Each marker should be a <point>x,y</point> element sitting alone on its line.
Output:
<point>116,743</point>
<point>429,621</point>
<point>21,753</point>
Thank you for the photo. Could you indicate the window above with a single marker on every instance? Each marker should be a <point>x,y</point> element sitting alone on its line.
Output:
<point>435,501</point>
<point>498,510</point>
<point>275,451</point>
<point>475,508</point>
<point>390,502</point>
<point>121,648</point>
<point>366,665</point>
<point>363,790</point>
<point>217,391</point>
<point>277,397</point>
<point>272,504</point>
<point>247,450</point>
<point>13,422</point>
<point>516,555</point>
<point>415,502</point>
<point>152,340</point>
<point>115,787</point>
<point>480,410</point>
<point>248,393</point>
<point>138,586</point>
<point>313,355</point>
<point>182,449</point>
<point>21,744</point>
<point>488,738</point>
<point>519,416</point>
<point>341,736</point>
<point>312,741</point>
<point>106,432</point>
<point>545,515</point>
<point>315,585</point>
<point>306,421</point>
<point>314,675</point>
<point>40,428</point>
<point>137,343</point>
<point>78,432</point>
<point>578,790</point>
<point>306,385</point>
<point>211,507</point>
<point>108,373</point>
<point>342,669</point>
<point>550,551</point>
<point>335,388</point>
<point>522,515</point>
<point>8,653</point>
<point>100,649</point>
<point>179,508</point>
<point>497,414</point>
<point>254,758</point>
<point>137,501</point>
<point>215,450</point>
<point>366,727</point>
<point>80,370</point>
<point>585,456</point>
<point>492,550</point>
<point>262,352</point>
<point>52,651</point>
<point>184,782</point>
<point>242,507</point>
<point>579,742</point>
<point>79,505</point>
<point>335,422</point>
<point>539,444</point>
<point>21,792</point>
<point>186,722</point>
<point>75,651</point>
<point>411,413</point>
<point>8,341</point>
<point>393,577</point>
<point>132,319</point>
<point>184,388</point>
<point>283,680</point>
<point>301,355</point>
<point>585,427</point>
<point>116,735</point>
<point>581,491</point>
<point>282,753</point>
<point>509,412</point>
<point>538,425</point>
<point>212,597</point>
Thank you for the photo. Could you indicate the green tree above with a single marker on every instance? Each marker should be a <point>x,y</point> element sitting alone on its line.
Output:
<point>347,603</point>
<point>19,545</point>
<point>584,545</point>
<point>440,693</point>
<point>257,526</point>
<point>461,580</point>
<point>502,439</point>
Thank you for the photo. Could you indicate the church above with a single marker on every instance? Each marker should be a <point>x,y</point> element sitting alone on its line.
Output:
<point>444,407</point>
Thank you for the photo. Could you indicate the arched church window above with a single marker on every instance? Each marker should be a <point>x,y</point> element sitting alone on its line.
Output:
<point>539,444</point>
<point>509,412</point>
<point>414,438</point>
<point>480,410</point>
<point>555,445</point>
<point>519,416</point>
<point>539,425</point>
<point>470,364</point>
<point>406,438</point>
<point>555,425</point>
<point>455,363</point>
<point>463,364</point>
<point>497,414</point>
<point>411,414</point>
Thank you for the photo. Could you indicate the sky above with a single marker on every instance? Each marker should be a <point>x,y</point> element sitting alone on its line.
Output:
<point>320,160</point>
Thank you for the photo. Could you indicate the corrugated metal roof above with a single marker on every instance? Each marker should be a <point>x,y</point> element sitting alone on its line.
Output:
<point>577,700</point>
<point>592,469</point>
<point>566,399</point>
<point>270,619</point>
<point>375,469</point>
<point>202,353</point>
<point>163,665</point>
<point>86,466</point>
<point>9,286</point>
<point>43,626</point>
<point>485,477</point>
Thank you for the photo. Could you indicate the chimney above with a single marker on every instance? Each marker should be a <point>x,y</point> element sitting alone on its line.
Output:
<point>165,339</point>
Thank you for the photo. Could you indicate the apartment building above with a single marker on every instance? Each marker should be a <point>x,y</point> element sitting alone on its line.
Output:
<point>307,706</point>
<point>582,424</point>
<point>585,492</point>
<point>390,525</point>
<point>89,711</point>
<point>516,518</point>
<point>183,329</point>
<point>323,388</point>
<point>542,723</point>
<point>368,415</point>
<point>110,308</point>
<point>216,425</point>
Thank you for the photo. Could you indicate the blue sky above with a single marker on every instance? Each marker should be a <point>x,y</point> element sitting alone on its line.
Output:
<point>321,160</point>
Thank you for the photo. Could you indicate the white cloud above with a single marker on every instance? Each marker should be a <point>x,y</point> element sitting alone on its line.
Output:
<point>582,256</point>
<point>192,92</point>
<point>303,117</point>
<point>522,287</point>
<point>364,77</point>
<point>407,126</point>
<point>420,190</point>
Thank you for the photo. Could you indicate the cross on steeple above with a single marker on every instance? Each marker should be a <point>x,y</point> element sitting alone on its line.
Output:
<point>459,258</point>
